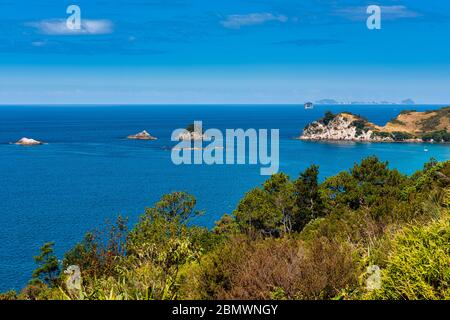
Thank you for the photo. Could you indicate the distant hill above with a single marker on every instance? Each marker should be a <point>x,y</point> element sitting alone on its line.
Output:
<point>408,126</point>
<point>408,101</point>
<point>327,101</point>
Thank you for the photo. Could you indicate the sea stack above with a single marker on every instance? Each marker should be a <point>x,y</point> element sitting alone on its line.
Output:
<point>144,135</point>
<point>193,132</point>
<point>28,142</point>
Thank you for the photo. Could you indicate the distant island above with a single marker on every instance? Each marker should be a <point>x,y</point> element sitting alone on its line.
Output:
<point>408,101</point>
<point>192,132</point>
<point>408,126</point>
<point>143,135</point>
<point>327,101</point>
<point>28,142</point>
<point>335,102</point>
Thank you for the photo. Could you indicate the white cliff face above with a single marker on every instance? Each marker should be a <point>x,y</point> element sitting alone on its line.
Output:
<point>194,135</point>
<point>28,142</point>
<point>340,128</point>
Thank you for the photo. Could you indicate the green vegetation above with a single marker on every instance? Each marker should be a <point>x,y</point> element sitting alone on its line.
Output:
<point>193,128</point>
<point>361,126</point>
<point>396,136</point>
<point>408,111</point>
<point>418,265</point>
<point>287,239</point>
<point>433,122</point>
<point>437,136</point>
<point>401,136</point>
<point>381,134</point>
<point>48,269</point>
<point>396,121</point>
<point>329,116</point>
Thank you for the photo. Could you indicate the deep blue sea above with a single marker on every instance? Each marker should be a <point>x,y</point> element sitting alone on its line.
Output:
<point>88,173</point>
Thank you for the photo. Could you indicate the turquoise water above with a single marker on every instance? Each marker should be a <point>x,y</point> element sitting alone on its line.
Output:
<point>88,172</point>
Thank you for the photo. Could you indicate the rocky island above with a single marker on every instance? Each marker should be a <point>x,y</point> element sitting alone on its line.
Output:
<point>143,135</point>
<point>408,126</point>
<point>28,142</point>
<point>192,132</point>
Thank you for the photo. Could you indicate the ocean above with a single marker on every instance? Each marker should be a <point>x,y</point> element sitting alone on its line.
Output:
<point>88,173</point>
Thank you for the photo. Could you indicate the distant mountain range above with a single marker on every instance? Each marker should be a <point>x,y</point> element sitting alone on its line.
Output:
<point>332,101</point>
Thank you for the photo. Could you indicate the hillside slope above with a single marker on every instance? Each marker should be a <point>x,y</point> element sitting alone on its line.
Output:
<point>408,126</point>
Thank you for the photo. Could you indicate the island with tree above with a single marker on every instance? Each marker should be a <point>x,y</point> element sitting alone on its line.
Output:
<point>408,126</point>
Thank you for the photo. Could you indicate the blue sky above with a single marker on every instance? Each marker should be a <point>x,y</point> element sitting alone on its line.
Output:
<point>223,51</point>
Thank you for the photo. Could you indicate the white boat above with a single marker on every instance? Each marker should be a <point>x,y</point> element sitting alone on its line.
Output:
<point>309,105</point>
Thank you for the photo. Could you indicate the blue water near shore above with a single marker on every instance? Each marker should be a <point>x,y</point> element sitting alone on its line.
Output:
<point>88,172</point>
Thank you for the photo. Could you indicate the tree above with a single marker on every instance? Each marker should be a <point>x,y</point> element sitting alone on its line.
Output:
<point>48,268</point>
<point>371,185</point>
<point>166,219</point>
<point>98,252</point>
<point>280,191</point>
<point>255,212</point>
<point>329,116</point>
<point>308,200</point>
<point>269,210</point>
<point>175,206</point>
<point>225,225</point>
<point>194,128</point>
<point>163,242</point>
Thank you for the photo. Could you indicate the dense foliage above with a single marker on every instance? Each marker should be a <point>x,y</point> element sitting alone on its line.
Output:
<point>361,126</point>
<point>437,136</point>
<point>367,233</point>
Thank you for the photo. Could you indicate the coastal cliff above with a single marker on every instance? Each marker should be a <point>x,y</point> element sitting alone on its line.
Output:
<point>408,126</point>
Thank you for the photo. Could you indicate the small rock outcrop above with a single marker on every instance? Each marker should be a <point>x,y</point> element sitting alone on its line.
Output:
<point>28,142</point>
<point>144,135</point>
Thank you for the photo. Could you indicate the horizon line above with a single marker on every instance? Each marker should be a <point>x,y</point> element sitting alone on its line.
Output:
<point>209,104</point>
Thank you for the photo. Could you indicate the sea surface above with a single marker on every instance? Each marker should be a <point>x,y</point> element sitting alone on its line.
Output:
<point>89,173</point>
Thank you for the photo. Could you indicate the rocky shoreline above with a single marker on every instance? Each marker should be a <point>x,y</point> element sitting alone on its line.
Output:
<point>408,127</point>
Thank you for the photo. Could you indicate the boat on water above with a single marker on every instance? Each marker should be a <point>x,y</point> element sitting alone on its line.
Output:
<point>309,105</point>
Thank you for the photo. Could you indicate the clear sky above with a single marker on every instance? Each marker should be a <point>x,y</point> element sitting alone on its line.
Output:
<point>223,51</point>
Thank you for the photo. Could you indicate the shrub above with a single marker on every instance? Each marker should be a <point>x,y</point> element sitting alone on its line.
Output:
<point>418,266</point>
<point>401,136</point>
<point>48,266</point>
<point>328,117</point>
<point>438,136</point>
<point>361,126</point>
<point>100,250</point>
<point>280,268</point>
<point>9,295</point>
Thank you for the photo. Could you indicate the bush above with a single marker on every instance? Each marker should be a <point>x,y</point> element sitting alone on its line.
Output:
<point>361,126</point>
<point>418,266</point>
<point>288,239</point>
<point>281,268</point>
<point>100,250</point>
<point>329,116</point>
<point>401,136</point>
<point>437,136</point>
<point>10,295</point>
